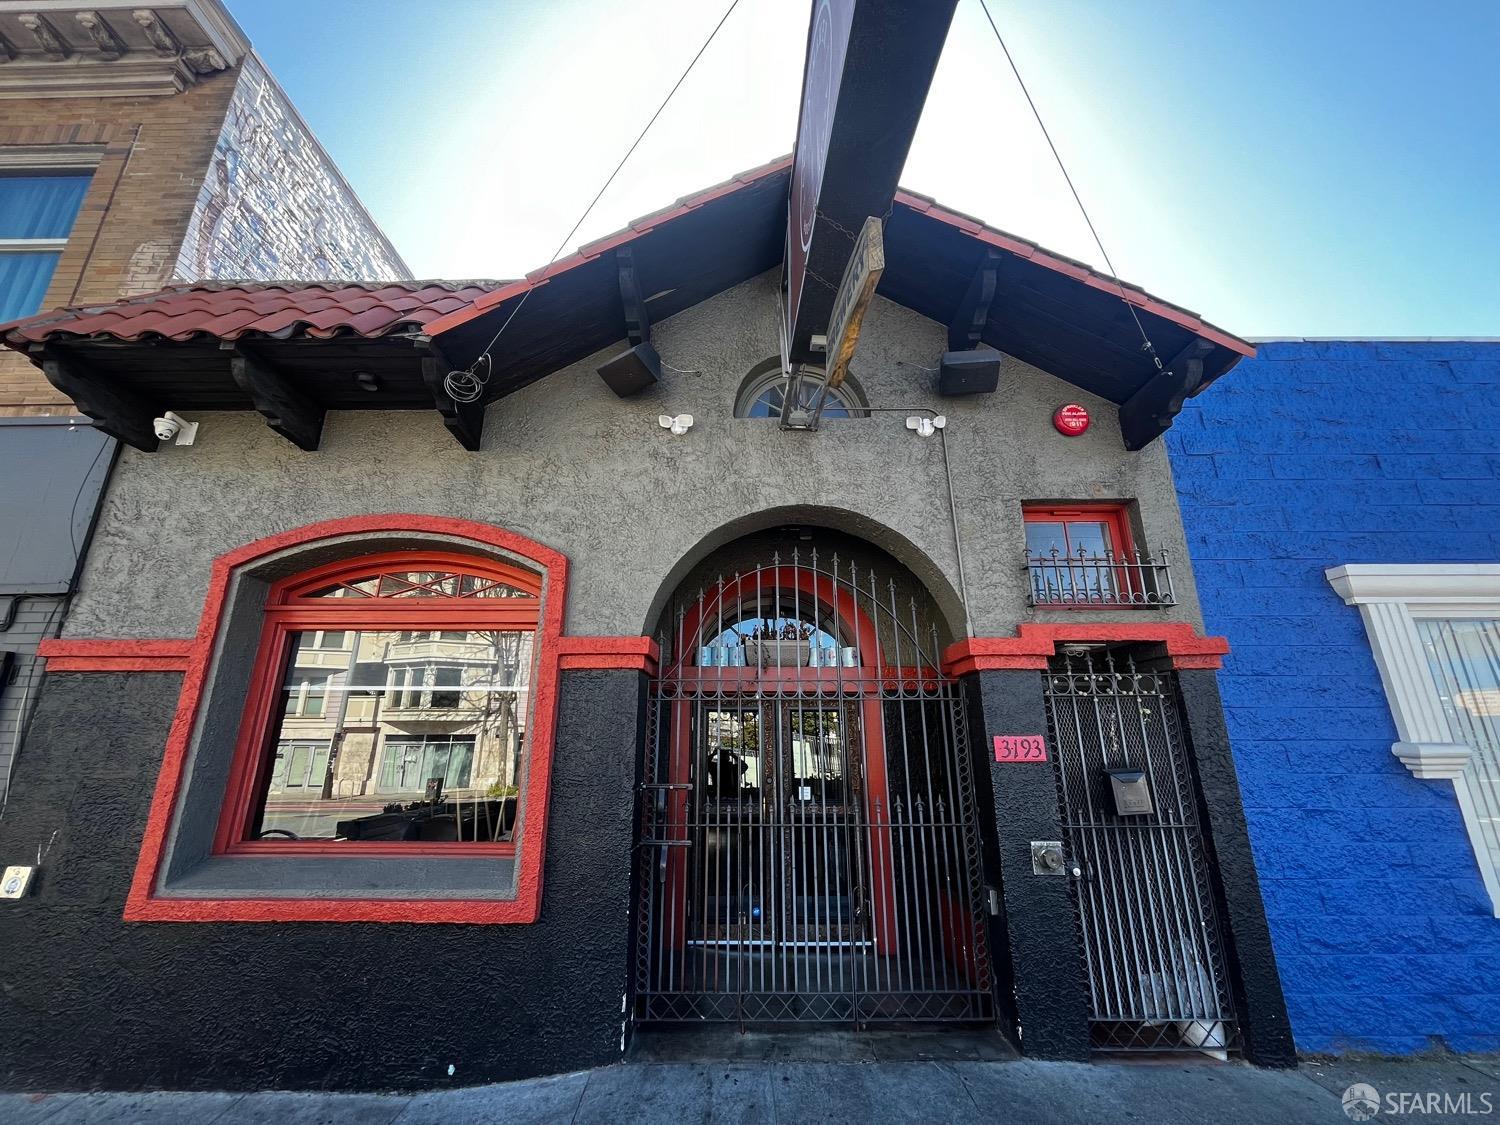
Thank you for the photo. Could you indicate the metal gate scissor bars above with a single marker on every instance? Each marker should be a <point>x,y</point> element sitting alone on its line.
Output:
<point>1144,894</point>
<point>808,848</point>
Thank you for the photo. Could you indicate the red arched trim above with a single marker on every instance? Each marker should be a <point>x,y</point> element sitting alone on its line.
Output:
<point>1034,644</point>
<point>143,903</point>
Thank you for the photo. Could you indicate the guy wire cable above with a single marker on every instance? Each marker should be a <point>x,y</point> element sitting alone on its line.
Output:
<point>469,383</point>
<point>1146,344</point>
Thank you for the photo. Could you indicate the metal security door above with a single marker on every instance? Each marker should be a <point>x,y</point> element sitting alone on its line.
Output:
<point>808,848</point>
<point>1144,895</point>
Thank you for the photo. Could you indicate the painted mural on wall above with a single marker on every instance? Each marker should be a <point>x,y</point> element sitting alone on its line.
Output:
<point>273,205</point>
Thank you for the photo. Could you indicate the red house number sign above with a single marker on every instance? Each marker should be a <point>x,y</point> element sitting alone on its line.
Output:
<point>1020,748</point>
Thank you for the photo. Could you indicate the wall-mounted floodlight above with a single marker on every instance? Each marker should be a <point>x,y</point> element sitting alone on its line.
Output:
<point>678,425</point>
<point>925,426</point>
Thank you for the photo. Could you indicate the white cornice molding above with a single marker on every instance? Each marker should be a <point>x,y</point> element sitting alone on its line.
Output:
<point>152,47</point>
<point>76,78</point>
<point>1433,584</point>
<point>211,16</point>
<point>1433,762</point>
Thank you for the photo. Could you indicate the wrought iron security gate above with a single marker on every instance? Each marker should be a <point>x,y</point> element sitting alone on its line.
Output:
<point>808,849</point>
<point>1144,896</point>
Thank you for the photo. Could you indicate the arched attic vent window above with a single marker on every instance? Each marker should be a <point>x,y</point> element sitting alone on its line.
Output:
<point>763,393</point>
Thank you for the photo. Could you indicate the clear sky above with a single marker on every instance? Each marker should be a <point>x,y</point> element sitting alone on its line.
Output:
<point>1284,167</point>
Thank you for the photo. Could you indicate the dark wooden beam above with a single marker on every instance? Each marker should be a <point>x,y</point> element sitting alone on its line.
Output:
<point>637,322</point>
<point>465,420</point>
<point>966,326</point>
<point>287,408</point>
<point>116,410</point>
<point>1148,413</point>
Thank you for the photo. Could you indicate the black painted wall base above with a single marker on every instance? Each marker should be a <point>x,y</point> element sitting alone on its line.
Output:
<point>1265,1030</point>
<point>90,1001</point>
<point>1050,1001</point>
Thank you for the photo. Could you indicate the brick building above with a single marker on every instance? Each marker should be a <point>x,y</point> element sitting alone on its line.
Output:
<point>1341,500</point>
<point>140,145</point>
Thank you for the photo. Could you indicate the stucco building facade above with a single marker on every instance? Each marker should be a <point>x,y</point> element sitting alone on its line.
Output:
<point>850,721</point>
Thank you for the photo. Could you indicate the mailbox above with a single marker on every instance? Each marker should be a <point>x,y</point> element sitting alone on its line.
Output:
<point>1132,794</point>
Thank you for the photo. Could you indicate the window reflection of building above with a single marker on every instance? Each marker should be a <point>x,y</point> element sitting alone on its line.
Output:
<point>369,718</point>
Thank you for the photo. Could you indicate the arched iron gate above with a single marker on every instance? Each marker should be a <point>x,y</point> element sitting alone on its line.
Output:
<point>1144,893</point>
<point>808,841</point>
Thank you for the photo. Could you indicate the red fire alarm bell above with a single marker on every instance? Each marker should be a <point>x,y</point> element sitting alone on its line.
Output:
<point>1070,419</point>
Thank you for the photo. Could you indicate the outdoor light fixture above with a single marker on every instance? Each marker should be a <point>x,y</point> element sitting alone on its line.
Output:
<point>925,426</point>
<point>678,425</point>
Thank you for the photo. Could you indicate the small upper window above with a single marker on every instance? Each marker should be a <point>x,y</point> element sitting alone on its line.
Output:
<point>1083,556</point>
<point>36,216</point>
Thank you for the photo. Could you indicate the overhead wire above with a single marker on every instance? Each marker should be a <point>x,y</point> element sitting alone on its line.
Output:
<point>468,385</point>
<point>1146,345</point>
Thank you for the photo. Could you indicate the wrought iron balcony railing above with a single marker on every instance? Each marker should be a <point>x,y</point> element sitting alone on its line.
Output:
<point>1081,579</point>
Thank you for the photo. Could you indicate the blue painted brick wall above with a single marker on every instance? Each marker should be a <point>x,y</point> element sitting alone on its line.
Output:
<point>1312,455</point>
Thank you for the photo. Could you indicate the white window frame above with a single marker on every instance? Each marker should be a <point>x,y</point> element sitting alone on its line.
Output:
<point>1391,598</point>
<point>44,160</point>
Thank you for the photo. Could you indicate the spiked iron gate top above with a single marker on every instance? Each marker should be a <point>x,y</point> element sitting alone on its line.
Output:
<point>1145,896</point>
<point>808,847</point>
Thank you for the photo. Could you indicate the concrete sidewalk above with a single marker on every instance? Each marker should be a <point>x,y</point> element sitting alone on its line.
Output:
<point>859,1093</point>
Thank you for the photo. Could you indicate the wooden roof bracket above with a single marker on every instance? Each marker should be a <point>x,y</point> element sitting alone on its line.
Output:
<point>1148,413</point>
<point>966,328</point>
<point>637,368</point>
<point>465,420</point>
<point>964,369</point>
<point>287,409</point>
<point>116,410</point>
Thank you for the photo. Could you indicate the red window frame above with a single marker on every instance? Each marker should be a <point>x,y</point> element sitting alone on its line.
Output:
<point>1115,517</point>
<point>147,902</point>
<point>292,606</point>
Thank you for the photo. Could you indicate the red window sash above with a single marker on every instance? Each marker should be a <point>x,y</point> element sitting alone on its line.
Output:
<point>290,609</point>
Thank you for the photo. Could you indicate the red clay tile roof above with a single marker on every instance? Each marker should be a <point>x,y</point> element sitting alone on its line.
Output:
<point>228,310</point>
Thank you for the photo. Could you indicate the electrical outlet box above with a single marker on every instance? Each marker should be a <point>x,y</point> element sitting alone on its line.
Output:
<point>17,882</point>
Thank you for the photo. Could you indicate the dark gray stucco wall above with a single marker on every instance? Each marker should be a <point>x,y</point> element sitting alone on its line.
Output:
<point>91,1001</point>
<point>567,463</point>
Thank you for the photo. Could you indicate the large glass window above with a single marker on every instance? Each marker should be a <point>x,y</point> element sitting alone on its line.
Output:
<point>36,215</point>
<point>401,711</point>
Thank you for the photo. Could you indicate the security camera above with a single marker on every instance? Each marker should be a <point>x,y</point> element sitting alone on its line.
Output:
<point>171,425</point>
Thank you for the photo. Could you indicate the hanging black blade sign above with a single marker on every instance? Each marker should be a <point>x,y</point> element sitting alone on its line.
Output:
<point>869,66</point>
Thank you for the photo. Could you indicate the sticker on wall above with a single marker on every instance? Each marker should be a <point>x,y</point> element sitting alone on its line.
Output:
<point>1070,419</point>
<point>1020,748</point>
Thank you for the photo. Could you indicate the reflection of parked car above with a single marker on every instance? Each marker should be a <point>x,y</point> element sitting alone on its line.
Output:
<point>480,820</point>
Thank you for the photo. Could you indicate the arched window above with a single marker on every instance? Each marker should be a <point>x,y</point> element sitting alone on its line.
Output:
<point>390,705</point>
<point>763,394</point>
